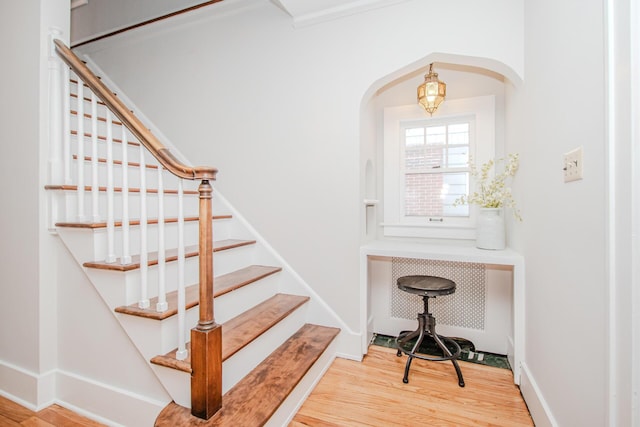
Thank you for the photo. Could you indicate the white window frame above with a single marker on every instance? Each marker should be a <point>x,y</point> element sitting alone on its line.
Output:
<point>482,148</point>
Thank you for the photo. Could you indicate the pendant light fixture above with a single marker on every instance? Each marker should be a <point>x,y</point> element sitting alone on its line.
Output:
<point>432,92</point>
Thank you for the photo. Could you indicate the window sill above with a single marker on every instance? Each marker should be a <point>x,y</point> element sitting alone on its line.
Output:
<point>436,231</point>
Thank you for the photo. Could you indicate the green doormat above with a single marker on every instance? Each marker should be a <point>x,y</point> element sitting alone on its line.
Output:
<point>468,353</point>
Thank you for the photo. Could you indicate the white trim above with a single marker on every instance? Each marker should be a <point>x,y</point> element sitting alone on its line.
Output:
<point>536,403</point>
<point>109,405</point>
<point>336,12</point>
<point>635,206</point>
<point>105,403</point>
<point>482,148</point>
<point>19,384</point>
<point>622,95</point>
<point>610,223</point>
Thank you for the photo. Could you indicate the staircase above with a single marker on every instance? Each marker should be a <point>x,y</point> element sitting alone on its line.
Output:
<point>148,269</point>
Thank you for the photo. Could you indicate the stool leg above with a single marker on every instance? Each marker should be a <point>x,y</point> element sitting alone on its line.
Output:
<point>432,332</point>
<point>403,338</point>
<point>421,328</point>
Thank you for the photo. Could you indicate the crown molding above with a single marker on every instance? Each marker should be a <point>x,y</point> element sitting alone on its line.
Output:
<point>310,12</point>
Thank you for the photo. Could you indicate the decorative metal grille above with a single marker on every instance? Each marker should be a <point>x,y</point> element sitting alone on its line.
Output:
<point>464,308</point>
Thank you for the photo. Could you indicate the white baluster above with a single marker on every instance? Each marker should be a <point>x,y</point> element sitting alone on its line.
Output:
<point>66,124</point>
<point>111,253</point>
<point>144,266</point>
<point>181,354</point>
<point>95,185</point>
<point>80,151</point>
<point>126,250</point>
<point>55,111</point>
<point>162,293</point>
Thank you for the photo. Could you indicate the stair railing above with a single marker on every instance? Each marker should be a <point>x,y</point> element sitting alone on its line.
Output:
<point>206,353</point>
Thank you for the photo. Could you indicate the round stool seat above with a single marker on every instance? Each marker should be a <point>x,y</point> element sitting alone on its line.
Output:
<point>429,286</point>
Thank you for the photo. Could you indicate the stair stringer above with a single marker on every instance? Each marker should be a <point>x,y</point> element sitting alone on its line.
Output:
<point>152,337</point>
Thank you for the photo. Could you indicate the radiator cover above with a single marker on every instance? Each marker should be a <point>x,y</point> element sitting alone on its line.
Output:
<point>464,308</point>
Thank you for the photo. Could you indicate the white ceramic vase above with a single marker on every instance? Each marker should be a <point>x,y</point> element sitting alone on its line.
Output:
<point>490,232</point>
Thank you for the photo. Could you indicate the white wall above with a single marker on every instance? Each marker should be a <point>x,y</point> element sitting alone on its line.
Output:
<point>277,109</point>
<point>28,305</point>
<point>563,236</point>
<point>20,223</point>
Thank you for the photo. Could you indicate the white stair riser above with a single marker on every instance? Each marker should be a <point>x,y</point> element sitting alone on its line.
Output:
<point>89,245</point>
<point>68,200</point>
<point>123,288</point>
<point>153,337</point>
<point>234,303</point>
<point>244,361</point>
<point>133,150</point>
<point>133,176</point>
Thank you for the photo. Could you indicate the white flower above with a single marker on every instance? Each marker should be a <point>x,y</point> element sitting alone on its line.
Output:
<point>493,192</point>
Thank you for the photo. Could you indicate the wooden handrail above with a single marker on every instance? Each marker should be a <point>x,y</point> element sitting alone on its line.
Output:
<point>128,119</point>
<point>206,337</point>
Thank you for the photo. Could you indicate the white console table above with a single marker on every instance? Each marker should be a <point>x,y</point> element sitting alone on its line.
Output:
<point>461,252</point>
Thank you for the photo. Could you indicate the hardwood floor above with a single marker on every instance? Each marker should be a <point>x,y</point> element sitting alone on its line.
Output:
<point>14,415</point>
<point>370,393</point>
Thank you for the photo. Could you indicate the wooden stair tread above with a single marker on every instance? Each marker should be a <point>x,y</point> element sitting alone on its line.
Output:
<point>257,396</point>
<point>222,285</point>
<point>170,255</point>
<point>242,329</point>
<point>150,221</point>
<point>68,187</point>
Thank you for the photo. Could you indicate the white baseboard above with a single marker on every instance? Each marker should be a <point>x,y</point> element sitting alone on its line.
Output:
<point>31,390</point>
<point>538,407</point>
<point>349,345</point>
<point>104,403</point>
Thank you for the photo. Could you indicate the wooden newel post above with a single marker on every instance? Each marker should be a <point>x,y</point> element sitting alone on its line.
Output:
<point>206,337</point>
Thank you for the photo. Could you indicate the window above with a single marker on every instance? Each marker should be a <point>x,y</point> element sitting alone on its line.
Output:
<point>436,156</point>
<point>426,166</point>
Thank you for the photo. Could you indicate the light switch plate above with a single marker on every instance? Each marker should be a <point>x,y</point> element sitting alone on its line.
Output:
<point>573,165</point>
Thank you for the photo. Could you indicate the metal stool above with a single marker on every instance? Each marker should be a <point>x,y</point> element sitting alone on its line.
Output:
<point>427,287</point>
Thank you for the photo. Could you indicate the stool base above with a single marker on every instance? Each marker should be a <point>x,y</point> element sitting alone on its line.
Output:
<point>427,327</point>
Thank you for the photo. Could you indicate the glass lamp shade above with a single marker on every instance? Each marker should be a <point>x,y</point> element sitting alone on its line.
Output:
<point>432,92</point>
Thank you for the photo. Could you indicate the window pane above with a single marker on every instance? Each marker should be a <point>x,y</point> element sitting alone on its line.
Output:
<point>458,157</point>
<point>432,195</point>
<point>459,134</point>
<point>436,134</point>
<point>414,137</point>
<point>424,158</point>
